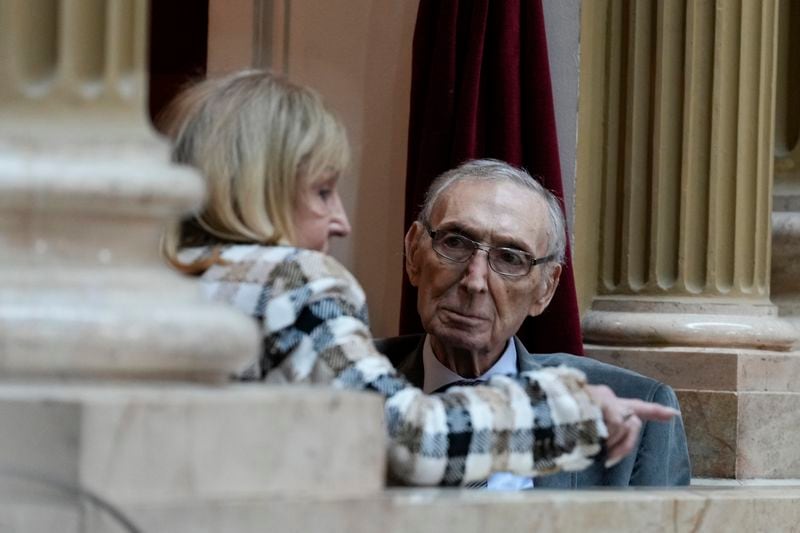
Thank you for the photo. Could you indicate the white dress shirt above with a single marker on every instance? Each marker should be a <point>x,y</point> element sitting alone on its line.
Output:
<point>436,375</point>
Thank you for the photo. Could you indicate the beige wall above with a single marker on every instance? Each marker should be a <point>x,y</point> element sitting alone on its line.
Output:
<point>357,53</point>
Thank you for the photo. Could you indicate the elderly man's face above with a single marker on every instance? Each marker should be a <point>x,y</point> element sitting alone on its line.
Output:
<point>469,306</point>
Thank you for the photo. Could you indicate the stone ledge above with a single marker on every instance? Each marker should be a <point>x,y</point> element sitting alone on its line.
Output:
<point>738,405</point>
<point>710,369</point>
<point>135,444</point>
<point>437,510</point>
<point>720,483</point>
<point>467,511</point>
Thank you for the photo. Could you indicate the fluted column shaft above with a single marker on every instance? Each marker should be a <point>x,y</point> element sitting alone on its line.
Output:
<point>687,176</point>
<point>785,284</point>
<point>85,189</point>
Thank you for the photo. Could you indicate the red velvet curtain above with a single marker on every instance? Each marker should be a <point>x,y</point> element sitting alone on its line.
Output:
<point>481,88</point>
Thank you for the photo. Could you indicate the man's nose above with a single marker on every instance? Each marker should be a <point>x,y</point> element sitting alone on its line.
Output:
<point>476,273</point>
<point>339,225</point>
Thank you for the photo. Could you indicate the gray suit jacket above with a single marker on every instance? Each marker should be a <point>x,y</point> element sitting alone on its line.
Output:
<point>661,458</point>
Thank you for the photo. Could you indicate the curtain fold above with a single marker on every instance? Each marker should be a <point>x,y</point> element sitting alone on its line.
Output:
<point>480,87</point>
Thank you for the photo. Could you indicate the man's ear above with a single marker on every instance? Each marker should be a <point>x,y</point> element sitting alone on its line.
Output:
<point>547,288</point>
<point>413,252</point>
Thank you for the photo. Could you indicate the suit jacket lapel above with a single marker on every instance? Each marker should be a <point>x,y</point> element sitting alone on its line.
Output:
<point>412,367</point>
<point>525,360</point>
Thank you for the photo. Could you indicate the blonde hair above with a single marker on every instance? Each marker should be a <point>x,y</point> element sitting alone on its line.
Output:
<point>253,135</point>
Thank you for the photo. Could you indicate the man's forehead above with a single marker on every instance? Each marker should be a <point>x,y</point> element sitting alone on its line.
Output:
<point>491,191</point>
<point>500,208</point>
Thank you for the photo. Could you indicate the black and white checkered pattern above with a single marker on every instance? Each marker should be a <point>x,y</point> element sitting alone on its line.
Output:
<point>314,321</point>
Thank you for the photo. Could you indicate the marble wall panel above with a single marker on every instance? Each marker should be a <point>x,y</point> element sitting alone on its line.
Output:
<point>769,435</point>
<point>710,418</point>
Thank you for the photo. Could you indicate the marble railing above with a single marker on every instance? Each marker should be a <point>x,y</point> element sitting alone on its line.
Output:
<point>282,459</point>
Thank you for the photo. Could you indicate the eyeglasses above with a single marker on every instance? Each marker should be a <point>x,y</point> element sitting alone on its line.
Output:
<point>506,261</point>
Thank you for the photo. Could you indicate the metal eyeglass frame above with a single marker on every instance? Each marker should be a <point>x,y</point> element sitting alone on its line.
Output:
<point>532,261</point>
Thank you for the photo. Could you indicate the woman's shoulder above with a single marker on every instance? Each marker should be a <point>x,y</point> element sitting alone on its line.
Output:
<point>284,266</point>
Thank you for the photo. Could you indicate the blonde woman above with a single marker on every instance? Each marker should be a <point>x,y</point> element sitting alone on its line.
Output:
<point>272,155</point>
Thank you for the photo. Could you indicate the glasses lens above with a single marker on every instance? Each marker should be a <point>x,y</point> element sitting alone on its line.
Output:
<point>453,246</point>
<point>509,261</point>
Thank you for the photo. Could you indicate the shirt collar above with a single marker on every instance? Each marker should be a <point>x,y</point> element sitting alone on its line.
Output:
<point>436,375</point>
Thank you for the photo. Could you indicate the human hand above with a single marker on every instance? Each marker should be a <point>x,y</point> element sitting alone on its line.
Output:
<point>623,418</point>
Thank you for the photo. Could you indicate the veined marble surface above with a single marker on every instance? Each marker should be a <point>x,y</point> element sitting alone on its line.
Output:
<point>469,511</point>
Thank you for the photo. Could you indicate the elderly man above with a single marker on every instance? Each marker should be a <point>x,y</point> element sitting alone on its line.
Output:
<point>484,254</point>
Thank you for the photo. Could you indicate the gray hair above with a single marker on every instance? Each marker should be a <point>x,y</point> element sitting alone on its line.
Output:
<point>494,170</point>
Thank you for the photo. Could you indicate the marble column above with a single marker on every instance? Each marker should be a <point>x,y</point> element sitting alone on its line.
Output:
<point>785,285</point>
<point>686,170</point>
<point>86,187</point>
<point>685,239</point>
